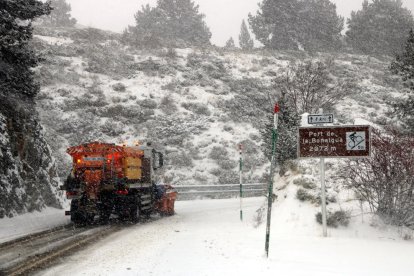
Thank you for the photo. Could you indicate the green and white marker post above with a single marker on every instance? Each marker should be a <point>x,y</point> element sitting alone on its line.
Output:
<point>272,168</point>
<point>241,183</point>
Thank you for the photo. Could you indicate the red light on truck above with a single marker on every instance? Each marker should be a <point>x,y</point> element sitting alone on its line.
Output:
<point>71,194</point>
<point>78,161</point>
<point>121,192</point>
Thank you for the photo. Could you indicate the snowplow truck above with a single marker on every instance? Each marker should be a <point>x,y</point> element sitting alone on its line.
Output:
<point>109,179</point>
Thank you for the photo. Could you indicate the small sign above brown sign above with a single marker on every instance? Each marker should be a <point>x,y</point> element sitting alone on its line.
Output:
<point>334,141</point>
<point>320,119</point>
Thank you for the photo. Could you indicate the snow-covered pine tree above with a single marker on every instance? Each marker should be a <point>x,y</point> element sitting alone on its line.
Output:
<point>147,31</point>
<point>380,27</point>
<point>403,65</point>
<point>172,23</point>
<point>286,147</point>
<point>321,26</point>
<point>245,41</point>
<point>273,24</point>
<point>294,24</point>
<point>16,57</point>
<point>26,165</point>
<point>230,43</point>
<point>60,15</point>
<point>184,22</point>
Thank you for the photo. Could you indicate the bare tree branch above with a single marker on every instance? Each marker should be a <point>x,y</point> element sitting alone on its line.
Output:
<point>386,180</point>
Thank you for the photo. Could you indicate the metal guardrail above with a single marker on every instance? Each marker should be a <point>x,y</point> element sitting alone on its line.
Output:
<point>217,191</point>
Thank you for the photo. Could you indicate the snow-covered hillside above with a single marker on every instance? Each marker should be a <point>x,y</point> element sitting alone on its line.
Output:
<point>196,104</point>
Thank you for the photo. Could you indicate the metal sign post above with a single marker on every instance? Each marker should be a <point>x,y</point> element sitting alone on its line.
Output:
<point>322,118</point>
<point>241,184</point>
<point>272,165</point>
<point>323,195</point>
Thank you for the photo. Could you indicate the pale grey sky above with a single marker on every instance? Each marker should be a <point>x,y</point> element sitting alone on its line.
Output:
<point>222,16</point>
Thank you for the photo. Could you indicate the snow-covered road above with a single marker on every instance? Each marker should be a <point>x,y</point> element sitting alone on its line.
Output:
<point>207,238</point>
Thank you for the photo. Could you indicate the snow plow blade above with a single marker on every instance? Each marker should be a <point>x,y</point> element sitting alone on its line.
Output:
<point>165,205</point>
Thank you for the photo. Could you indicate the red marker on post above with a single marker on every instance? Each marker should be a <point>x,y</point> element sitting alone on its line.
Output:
<point>275,114</point>
<point>277,108</point>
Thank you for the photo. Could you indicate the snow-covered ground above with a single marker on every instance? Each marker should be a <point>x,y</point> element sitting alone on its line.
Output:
<point>13,228</point>
<point>54,40</point>
<point>207,238</point>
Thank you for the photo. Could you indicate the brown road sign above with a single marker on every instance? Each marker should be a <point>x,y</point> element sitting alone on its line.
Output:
<point>334,141</point>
